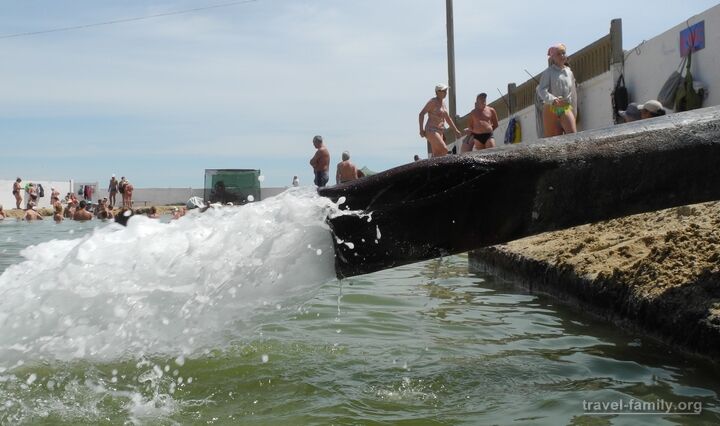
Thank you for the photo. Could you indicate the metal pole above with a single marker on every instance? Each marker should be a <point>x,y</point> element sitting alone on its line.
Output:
<point>451,56</point>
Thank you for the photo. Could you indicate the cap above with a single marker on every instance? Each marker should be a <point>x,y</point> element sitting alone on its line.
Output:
<point>113,175</point>
<point>651,105</point>
<point>346,155</point>
<point>632,111</point>
<point>318,139</point>
<point>441,87</point>
<point>556,48</point>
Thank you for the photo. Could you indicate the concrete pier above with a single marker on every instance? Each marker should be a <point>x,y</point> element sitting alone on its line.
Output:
<point>657,272</point>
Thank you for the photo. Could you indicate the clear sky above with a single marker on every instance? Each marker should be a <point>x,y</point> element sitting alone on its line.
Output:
<point>247,85</point>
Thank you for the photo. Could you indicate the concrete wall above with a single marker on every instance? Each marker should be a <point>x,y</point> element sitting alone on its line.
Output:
<point>8,200</point>
<point>178,196</point>
<point>141,196</point>
<point>647,67</point>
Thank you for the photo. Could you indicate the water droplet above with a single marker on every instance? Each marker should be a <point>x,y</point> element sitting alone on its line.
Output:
<point>250,198</point>
<point>265,358</point>
<point>319,252</point>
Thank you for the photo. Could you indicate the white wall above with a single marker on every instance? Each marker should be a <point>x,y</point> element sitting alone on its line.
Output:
<point>7,199</point>
<point>647,67</point>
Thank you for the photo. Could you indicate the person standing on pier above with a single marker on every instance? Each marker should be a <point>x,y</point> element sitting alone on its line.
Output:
<point>17,188</point>
<point>438,116</point>
<point>112,191</point>
<point>483,120</point>
<point>320,162</point>
<point>558,93</point>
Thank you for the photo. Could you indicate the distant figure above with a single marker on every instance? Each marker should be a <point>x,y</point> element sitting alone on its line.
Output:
<point>558,93</point>
<point>16,192</point>
<point>178,213</point>
<point>81,212</point>
<point>121,185</point>
<point>58,212</point>
<point>32,194</point>
<point>632,113</point>
<point>651,108</point>
<point>416,158</point>
<point>438,115</point>
<point>88,192</point>
<point>126,189</point>
<point>2,213</point>
<point>346,170</point>
<point>296,181</point>
<point>54,196</point>
<point>152,213</point>
<point>483,121</point>
<point>31,214</point>
<point>320,162</point>
<point>112,191</point>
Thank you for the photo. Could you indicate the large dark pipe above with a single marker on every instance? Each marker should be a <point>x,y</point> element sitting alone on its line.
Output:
<point>453,204</point>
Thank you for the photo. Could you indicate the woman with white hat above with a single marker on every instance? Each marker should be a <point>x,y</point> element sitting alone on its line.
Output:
<point>438,115</point>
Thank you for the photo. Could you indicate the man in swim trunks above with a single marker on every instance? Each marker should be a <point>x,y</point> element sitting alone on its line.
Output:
<point>320,162</point>
<point>346,170</point>
<point>483,120</point>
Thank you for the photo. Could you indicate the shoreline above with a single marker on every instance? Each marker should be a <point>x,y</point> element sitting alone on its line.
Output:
<point>48,212</point>
<point>658,272</point>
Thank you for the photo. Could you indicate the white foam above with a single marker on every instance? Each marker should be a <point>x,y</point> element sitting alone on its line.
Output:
<point>166,288</point>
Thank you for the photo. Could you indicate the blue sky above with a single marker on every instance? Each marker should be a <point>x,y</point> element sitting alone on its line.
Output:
<point>248,85</point>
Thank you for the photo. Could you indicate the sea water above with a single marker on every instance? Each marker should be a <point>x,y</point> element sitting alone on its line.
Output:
<point>233,316</point>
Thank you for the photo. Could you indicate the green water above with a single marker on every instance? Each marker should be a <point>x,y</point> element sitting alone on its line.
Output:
<point>423,344</point>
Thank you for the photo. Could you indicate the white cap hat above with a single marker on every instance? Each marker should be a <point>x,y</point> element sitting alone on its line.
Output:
<point>441,87</point>
<point>651,105</point>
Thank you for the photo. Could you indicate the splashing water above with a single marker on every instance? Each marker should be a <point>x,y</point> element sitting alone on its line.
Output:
<point>162,288</point>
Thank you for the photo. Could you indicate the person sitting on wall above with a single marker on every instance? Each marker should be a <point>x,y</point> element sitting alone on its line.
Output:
<point>651,109</point>
<point>2,213</point>
<point>632,113</point>
<point>346,170</point>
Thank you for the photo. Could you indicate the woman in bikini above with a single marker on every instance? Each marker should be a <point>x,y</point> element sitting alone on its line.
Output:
<point>558,93</point>
<point>438,115</point>
<point>16,192</point>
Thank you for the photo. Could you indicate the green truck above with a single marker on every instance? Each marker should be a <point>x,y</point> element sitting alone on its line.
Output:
<point>236,186</point>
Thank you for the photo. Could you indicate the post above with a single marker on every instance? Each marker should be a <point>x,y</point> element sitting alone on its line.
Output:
<point>617,58</point>
<point>451,57</point>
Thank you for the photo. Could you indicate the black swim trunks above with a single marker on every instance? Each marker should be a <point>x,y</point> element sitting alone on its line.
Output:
<point>482,137</point>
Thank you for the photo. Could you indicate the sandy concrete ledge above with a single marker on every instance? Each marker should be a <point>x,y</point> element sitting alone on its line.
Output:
<point>48,212</point>
<point>658,272</point>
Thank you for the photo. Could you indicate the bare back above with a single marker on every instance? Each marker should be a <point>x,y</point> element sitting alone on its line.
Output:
<point>346,171</point>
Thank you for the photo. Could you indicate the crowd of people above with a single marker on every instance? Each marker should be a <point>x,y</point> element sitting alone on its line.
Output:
<point>74,208</point>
